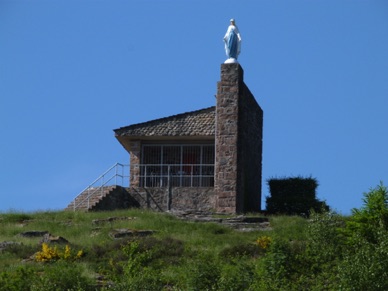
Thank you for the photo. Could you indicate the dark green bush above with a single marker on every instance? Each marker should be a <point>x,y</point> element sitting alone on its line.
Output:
<point>293,196</point>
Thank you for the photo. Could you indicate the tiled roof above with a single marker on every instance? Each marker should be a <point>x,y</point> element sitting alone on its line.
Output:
<point>194,123</point>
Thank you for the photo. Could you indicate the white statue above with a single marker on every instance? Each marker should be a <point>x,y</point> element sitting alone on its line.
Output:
<point>232,41</point>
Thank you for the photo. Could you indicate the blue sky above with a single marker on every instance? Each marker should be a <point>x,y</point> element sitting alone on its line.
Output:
<point>72,71</point>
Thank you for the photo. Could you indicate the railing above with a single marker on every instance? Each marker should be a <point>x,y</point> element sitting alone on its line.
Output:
<point>151,175</point>
<point>176,175</point>
<point>115,175</point>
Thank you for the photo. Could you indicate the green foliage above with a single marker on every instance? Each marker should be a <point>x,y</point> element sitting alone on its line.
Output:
<point>62,276</point>
<point>15,217</point>
<point>236,276</point>
<point>137,274</point>
<point>248,250</point>
<point>17,280</point>
<point>372,216</point>
<point>55,277</point>
<point>165,251</point>
<point>293,196</point>
<point>365,265</point>
<point>324,247</point>
<point>273,272</point>
<point>288,227</point>
<point>21,250</point>
<point>136,259</point>
<point>365,261</point>
<point>205,273</point>
<point>305,262</point>
<point>325,252</point>
<point>324,241</point>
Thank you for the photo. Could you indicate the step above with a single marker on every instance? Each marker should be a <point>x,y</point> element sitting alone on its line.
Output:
<point>96,195</point>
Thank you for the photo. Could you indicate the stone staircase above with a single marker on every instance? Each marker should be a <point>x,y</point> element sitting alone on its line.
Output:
<point>90,198</point>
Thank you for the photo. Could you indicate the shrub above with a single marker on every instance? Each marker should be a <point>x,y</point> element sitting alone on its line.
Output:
<point>324,247</point>
<point>62,276</point>
<point>205,274</point>
<point>293,196</point>
<point>371,217</point>
<point>288,266</point>
<point>273,271</point>
<point>365,265</point>
<point>264,242</point>
<point>365,262</point>
<point>49,254</point>
<point>324,240</point>
<point>236,276</point>
<point>137,274</point>
<point>19,279</point>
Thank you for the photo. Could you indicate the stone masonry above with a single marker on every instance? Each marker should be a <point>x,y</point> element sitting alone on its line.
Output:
<point>235,125</point>
<point>238,143</point>
<point>135,160</point>
<point>174,198</point>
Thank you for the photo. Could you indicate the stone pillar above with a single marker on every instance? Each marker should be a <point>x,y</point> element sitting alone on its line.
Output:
<point>238,144</point>
<point>226,137</point>
<point>134,162</point>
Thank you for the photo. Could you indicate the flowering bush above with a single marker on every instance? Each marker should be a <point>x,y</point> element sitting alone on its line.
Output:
<point>264,242</point>
<point>49,254</point>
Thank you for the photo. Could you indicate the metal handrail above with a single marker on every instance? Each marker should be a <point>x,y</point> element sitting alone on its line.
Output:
<point>92,189</point>
<point>202,176</point>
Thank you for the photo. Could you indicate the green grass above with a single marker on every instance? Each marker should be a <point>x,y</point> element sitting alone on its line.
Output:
<point>325,252</point>
<point>177,249</point>
<point>78,228</point>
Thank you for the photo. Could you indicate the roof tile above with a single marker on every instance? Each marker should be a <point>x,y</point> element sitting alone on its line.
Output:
<point>195,123</point>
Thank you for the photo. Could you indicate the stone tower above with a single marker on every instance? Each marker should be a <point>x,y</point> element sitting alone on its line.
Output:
<point>238,144</point>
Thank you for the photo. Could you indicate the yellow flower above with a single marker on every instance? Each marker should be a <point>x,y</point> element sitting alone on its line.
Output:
<point>79,254</point>
<point>67,253</point>
<point>47,254</point>
<point>52,254</point>
<point>264,242</point>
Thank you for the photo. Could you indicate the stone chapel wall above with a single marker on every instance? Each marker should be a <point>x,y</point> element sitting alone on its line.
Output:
<point>238,142</point>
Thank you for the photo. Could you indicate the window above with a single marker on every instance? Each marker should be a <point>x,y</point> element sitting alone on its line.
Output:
<point>177,166</point>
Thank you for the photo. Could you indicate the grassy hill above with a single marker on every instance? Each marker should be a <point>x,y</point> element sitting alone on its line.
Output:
<point>325,252</point>
<point>172,251</point>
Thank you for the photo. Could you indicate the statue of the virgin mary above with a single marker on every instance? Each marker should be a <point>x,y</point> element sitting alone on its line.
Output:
<point>232,41</point>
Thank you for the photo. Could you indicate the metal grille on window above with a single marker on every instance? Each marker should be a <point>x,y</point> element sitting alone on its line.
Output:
<point>177,166</point>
